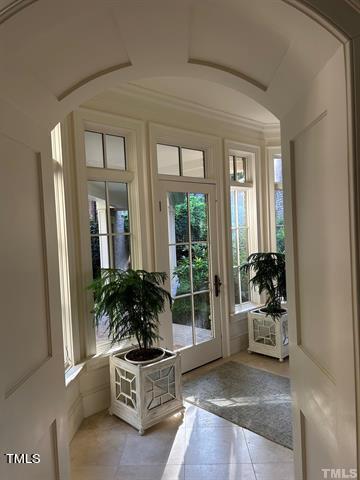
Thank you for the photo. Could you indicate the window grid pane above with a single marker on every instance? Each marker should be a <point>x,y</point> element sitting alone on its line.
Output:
<point>192,163</point>
<point>240,244</point>
<point>237,168</point>
<point>278,205</point>
<point>94,149</point>
<point>110,247</point>
<point>105,150</point>
<point>115,152</point>
<point>189,268</point>
<point>180,161</point>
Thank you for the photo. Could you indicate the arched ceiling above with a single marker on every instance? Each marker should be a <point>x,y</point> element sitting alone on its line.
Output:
<point>56,54</point>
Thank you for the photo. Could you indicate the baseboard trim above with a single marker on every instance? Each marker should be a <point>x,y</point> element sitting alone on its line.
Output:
<point>96,400</point>
<point>239,343</point>
<point>75,417</point>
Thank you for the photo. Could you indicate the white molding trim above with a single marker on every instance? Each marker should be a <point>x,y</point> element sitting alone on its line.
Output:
<point>255,210</point>
<point>270,153</point>
<point>270,129</point>
<point>75,416</point>
<point>239,343</point>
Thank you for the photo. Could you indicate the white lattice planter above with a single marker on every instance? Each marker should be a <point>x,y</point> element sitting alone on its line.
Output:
<point>268,336</point>
<point>143,395</point>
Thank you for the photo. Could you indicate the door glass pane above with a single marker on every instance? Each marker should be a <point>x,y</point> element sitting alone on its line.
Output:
<point>193,163</point>
<point>168,160</point>
<point>178,222</point>
<point>200,267</point>
<point>94,150</point>
<point>188,278</point>
<point>121,251</point>
<point>118,204</point>
<point>202,314</point>
<point>179,270</point>
<point>182,322</point>
<point>115,152</point>
<point>97,207</point>
<point>198,216</point>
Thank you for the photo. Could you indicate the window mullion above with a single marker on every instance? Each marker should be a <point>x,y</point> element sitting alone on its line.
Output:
<point>109,233</point>
<point>180,162</point>
<point>104,150</point>
<point>191,271</point>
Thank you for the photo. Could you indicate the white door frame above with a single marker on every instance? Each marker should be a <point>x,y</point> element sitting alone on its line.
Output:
<point>214,162</point>
<point>193,356</point>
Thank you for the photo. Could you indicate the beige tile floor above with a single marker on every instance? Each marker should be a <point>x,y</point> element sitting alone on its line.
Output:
<point>195,446</point>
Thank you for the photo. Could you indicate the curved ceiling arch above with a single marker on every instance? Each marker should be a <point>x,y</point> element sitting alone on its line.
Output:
<point>63,53</point>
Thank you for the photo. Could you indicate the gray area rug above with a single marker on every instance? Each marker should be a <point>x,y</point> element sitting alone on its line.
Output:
<point>249,397</point>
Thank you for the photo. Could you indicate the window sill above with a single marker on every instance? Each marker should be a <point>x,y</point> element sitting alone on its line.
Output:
<point>72,373</point>
<point>242,310</point>
<point>92,363</point>
<point>101,359</point>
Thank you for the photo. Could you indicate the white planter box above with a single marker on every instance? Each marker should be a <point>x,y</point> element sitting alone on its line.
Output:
<point>268,336</point>
<point>143,395</point>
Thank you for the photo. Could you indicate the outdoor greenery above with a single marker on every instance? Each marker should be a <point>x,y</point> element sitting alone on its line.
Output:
<point>182,309</point>
<point>280,238</point>
<point>132,301</point>
<point>268,277</point>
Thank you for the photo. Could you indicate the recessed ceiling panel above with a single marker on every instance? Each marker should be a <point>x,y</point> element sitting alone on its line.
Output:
<point>92,43</point>
<point>235,41</point>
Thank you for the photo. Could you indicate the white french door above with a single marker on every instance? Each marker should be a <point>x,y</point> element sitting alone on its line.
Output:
<point>187,252</point>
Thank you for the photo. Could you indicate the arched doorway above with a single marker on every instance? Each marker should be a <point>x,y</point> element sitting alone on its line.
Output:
<point>36,93</point>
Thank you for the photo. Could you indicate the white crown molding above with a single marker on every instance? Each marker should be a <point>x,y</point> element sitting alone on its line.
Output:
<point>193,107</point>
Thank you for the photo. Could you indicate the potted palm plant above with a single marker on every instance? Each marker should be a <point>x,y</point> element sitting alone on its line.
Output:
<point>145,380</point>
<point>132,300</point>
<point>268,333</point>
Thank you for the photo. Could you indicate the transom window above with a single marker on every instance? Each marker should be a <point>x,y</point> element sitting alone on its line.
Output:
<point>237,168</point>
<point>103,150</point>
<point>180,161</point>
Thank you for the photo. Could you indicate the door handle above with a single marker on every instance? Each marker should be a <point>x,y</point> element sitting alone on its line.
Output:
<point>217,285</point>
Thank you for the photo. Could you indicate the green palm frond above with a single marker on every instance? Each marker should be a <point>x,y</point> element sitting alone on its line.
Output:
<point>269,277</point>
<point>132,301</point>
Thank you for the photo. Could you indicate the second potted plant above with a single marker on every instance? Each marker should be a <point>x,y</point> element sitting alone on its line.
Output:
<point>145,381</point>
<point>268,325</point>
